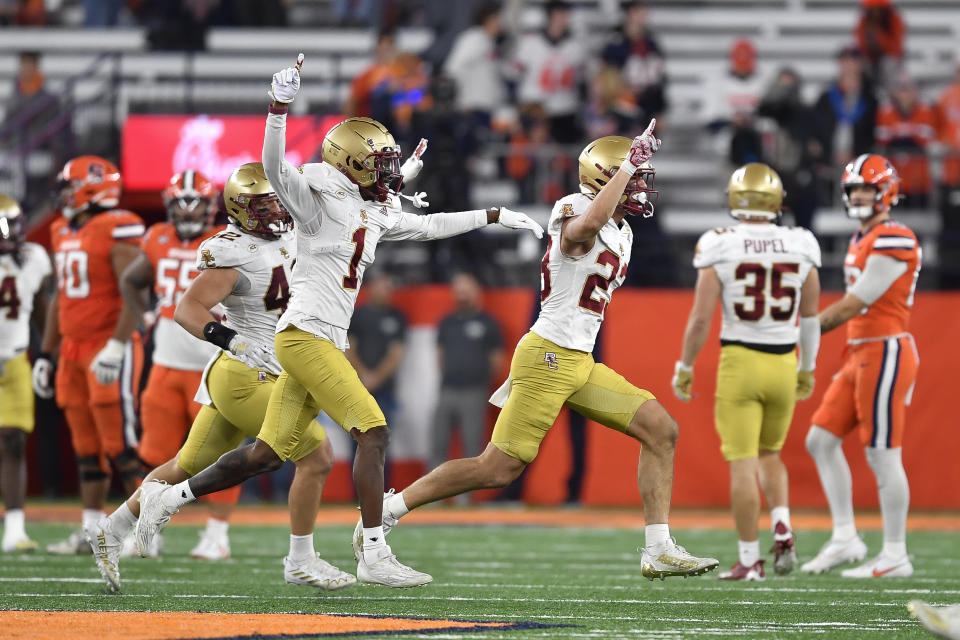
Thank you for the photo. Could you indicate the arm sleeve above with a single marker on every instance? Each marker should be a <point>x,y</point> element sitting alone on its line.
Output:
<point>809,343</point>
<point>436,225</point>
<point>878,274</point>
<point>287,181</point>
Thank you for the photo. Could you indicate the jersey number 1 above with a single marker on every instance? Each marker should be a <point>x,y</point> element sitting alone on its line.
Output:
<point>352,280</point>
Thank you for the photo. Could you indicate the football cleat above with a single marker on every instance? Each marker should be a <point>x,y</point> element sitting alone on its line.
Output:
<point>154,515</point>
<point>784,550</point>
<point>674,560</point>
<point>753,573</point>
<point>389,571</point>
<point>881,567</point>
<point>20,545</point>
<point>316,572</point>
<point>211,547</point>
<point>106,550</point>
<point>943,622</point>
<point>835,553</point>
<point>389,522</point>
<point>129,548</point>
<point>76,543</point>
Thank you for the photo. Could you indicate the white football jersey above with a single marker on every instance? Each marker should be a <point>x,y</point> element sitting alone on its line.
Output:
<point>762,268</point>
<point>551,72</point>
<point>574,292</point>
<point>19,284</point>
<point>263,290</point>
<point>337,236</point>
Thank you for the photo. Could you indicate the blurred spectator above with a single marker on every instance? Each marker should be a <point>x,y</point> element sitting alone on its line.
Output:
<point>550,67</point>
<point>181,24</point>
<point>447,20</point>
<point>846,114</point>
<point>524,164</point>
<point>637,54</point>
<point>101,13</point>
<point>611,106</point>
<point>948,132</point>
<point>905,128</point>
<point>731,102</point>
<point>22,12</point>
<point>365,13</point>
<point>378,335</point>
<point>880,34</point>
<point>372,81</point>
<point>474,67</point>
<point>256,13</point>
<point>795,144</point>
<point>470,352</point>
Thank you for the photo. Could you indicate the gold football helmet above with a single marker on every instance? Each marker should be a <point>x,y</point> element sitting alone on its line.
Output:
<point>755,191</point>
<point>600,159</point>
<point>364,151</point>
<point>11,225</point>
<point>252,204</point>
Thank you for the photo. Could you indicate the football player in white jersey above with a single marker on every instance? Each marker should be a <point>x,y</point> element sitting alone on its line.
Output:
<point>24,278</point>
<point>588,250</point>
<point>247,268</point>
<point>763,274</point>
<point>343,207</point>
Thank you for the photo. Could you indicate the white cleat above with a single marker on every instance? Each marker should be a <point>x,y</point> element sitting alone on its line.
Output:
<point>835,553</point>
<point>106,550</point>
<point>75,544</point>
<point>881,567</point>
<point>154,515</point>
<point>943,622</point>
<point>389,522</point>
<point>316,572</point>
<point>129,548</point>
<point>19,545</point>
<point>388,571</point>
<point>211,547</point>
<point>674,560</point>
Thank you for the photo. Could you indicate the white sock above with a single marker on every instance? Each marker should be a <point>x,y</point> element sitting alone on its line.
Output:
<point>301,547</point>
<point>749,552</point>
<point>373,541</point>
<point>780,514</point>
<point>217,527</point>
<point>894,550</point>
<point>90,516</point>
<point>396,506</point>
<point>656,537</point>
<point>887,465</point>
<point>177,495</point>
<point>122,520</point>
<point>13,525</point>
<point>835,479</point>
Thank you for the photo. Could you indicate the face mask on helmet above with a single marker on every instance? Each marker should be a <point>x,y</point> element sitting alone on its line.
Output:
<point>266,215</point>
<point>386,165</point>
<point>11,234</point>
<point>190,215</point>
<point>639,197</point>
<point>858,206</point>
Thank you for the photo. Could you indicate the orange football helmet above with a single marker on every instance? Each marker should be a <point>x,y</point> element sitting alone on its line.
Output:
<point>876,171</point>
<point>86,181</point>
<point>189,199</point>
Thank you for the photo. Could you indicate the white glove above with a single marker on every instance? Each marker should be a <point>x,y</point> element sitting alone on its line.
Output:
<point>250,353</point>
<point>106,364</point>
<point>286,83</point>
<point>517,220</point>
<point>419,199</point>
<point>43,377</point>
<point>412,166</point>
<point>682,381</point>
<point>642,149</point>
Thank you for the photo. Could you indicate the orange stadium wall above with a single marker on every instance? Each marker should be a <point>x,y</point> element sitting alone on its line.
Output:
<point>643,334</point>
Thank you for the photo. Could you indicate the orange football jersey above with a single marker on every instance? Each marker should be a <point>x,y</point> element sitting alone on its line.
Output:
<point>890,314</point>
<point>90,300</point>
<point>174,263</point>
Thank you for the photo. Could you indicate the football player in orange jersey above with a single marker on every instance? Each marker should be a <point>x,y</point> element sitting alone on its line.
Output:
<point>87,322</point>
<point>167,409</point>
<point>870,393</point>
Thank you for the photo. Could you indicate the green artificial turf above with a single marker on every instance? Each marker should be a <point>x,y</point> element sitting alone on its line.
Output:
<point>587,580</point>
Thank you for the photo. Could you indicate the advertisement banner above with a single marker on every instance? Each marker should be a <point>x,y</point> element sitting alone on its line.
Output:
<point>157,146</point>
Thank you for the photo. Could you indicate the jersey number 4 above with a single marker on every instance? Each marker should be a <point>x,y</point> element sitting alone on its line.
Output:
<point>758,290</point>
<point>9,298</point>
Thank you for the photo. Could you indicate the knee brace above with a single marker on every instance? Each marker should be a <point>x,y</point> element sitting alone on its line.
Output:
<point>820,441</point>
<point>90,469</point>
<point>887,465</point>
<point>129,465</point>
